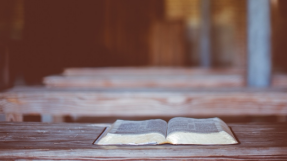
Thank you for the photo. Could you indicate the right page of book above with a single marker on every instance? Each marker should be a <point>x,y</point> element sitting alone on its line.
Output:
<point>182,130</point>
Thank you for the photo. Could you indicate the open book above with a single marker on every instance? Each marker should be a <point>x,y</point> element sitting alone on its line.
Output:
<point>178,130</point>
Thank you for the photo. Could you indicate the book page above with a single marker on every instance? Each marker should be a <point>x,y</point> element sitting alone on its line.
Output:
<point>199,131</point>
<point>183,124</point>
<point>139,127</point>
<point>136,133</point>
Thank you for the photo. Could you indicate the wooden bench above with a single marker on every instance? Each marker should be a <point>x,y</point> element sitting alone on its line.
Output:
<point>142,92</point>
<point>169,81</point>
<point>148,71</point>
<point>153,77</point>
<point>45,141</point>
<point>104,102</point>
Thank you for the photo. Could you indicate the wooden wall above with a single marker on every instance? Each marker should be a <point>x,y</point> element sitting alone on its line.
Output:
<point>11,26</point>
<point>137,33</point>
<point>279,35</point>
<point>98,33</point>
<point>229,32</point>
<point>167,44</point>
<point>228,29</point>
<point>70,33</point>
<point>125,30</point>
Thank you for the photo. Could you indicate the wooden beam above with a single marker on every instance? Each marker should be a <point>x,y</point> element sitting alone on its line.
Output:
<point>211,80</point>
<point>148,71</point>
<point>259,45</point>
<point>196,81</point>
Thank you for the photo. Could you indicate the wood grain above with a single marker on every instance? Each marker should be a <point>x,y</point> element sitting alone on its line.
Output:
<point>153,77</point>
<point>120,71</point>
<point>145,81</point>
<point>148,102</point>
<point>74,142</point>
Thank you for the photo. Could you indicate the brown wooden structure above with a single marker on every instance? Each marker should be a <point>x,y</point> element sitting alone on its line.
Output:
<point>148,71</point>
<point>143,102</point>
<point>141,77</point>
<point>42,141</point>
<point>169,81</point>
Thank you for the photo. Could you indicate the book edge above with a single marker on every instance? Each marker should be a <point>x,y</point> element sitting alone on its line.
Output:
<point>104,133</point>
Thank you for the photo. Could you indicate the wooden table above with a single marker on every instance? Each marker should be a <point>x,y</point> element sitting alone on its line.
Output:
<point>74,141</point>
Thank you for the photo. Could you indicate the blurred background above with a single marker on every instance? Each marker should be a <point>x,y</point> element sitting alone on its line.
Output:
<point>41,38</point>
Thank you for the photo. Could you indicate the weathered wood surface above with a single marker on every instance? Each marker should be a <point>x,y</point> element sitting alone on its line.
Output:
<point>148,71</point>
<point>153,77</point>
<point>74,141</point>
<point>145,81</point>
<point>145,102</point>
<point>198,81</point>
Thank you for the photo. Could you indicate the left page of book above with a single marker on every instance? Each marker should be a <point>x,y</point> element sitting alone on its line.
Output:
<point>124,132</point>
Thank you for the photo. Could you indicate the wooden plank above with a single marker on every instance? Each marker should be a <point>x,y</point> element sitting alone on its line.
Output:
<point>152,102</point>
<point>259,44</point>
<point>131,81</point>
<point>120,71</point>
<point>154,77</point>
<point>144,81</point>
<point>73,141</point>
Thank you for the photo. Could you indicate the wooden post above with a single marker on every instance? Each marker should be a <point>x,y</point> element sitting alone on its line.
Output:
<point>205,47</point>
<point>259,45</point>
